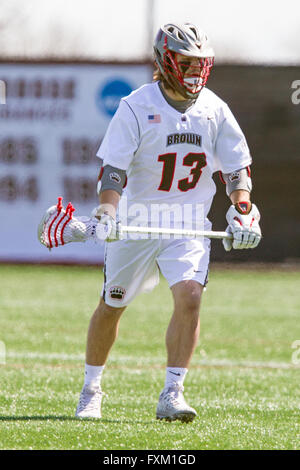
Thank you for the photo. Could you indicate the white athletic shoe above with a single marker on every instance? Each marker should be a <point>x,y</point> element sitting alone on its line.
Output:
<point>89,405</point>
<point>172,405</point>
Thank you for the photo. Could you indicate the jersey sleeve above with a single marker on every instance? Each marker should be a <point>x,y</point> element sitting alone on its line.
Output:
<point>121,140</point>
<point>231,149</point>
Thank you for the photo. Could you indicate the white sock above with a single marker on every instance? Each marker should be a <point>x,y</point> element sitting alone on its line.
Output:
<point>175,375</point>
<point>92,375</point>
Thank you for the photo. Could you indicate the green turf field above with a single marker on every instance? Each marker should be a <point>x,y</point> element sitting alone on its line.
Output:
<point>242,381</point>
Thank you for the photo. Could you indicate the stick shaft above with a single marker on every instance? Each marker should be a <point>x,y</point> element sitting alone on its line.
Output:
<point>175,231</point>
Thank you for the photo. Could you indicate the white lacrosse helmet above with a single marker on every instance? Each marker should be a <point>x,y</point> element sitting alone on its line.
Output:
<point>184,57</point>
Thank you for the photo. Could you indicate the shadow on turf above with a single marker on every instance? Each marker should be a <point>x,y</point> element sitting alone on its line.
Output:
<point>69,418</point>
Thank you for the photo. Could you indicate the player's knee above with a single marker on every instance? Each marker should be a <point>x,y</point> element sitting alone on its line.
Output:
<point>105,310</point>
<point>191,302</point>
<point>188,297</point>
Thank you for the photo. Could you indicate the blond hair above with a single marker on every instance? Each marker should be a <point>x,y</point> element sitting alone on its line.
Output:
<point>158,77</point>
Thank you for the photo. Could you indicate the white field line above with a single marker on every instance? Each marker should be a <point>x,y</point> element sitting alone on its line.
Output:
<point>124,360</point>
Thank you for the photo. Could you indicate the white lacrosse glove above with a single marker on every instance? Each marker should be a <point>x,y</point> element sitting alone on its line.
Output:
<point>108,228</point>
<point>58,226</point>
<point>243,223</point>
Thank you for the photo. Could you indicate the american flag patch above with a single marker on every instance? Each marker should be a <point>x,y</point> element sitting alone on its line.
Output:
<point>154,118</point>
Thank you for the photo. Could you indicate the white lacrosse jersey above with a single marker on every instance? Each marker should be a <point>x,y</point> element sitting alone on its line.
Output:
<point>170,157</point>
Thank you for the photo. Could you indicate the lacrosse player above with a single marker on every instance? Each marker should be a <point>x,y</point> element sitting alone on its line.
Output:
<point>163,145</point>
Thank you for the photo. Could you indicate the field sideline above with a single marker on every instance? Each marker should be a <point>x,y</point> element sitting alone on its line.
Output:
<point>243,381</point>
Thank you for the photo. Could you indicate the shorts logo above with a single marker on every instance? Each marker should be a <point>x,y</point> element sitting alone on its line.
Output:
<point>117,292</point>
<point>115,177</point>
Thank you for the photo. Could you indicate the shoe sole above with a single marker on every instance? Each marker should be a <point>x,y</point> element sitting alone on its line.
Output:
<point>185,417</point>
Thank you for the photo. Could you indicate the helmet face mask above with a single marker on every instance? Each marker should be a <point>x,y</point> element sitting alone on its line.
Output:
<point>184,58</point>
<point>189,74</point>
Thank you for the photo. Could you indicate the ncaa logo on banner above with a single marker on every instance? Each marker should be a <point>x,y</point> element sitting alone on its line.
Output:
<point>109,95</point>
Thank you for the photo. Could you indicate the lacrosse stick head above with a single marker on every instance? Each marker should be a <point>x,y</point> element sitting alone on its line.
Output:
<point>53,223</point>
<point>58,226</point>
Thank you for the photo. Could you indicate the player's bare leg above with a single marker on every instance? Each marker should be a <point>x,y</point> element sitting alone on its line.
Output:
<point>181,339</point>
<point>102,333</point>
<point>184,328</point>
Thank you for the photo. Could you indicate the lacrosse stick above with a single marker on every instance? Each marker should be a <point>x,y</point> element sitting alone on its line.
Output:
<point>101,233</point>
<point>174,231</point>
<point>58,227</point>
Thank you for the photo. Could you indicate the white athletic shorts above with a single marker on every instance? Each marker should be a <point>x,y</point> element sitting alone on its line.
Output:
<point>132,266</point>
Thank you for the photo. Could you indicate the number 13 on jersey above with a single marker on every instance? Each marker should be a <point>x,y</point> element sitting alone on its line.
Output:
<point>195,160</point>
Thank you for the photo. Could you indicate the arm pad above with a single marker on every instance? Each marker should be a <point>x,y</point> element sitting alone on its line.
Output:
<point>111,178</point>
<point>239,179</point>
